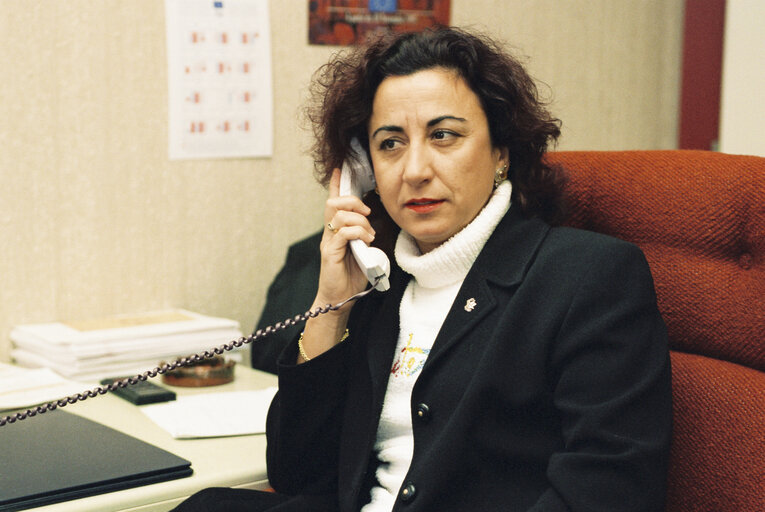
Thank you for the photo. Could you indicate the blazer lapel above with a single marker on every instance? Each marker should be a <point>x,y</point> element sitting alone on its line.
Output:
<point>473,303</point>
<point>503,263</point>
<point>382,340</point>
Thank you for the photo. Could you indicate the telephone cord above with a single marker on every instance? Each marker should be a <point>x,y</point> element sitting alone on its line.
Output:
<point>182,361</point>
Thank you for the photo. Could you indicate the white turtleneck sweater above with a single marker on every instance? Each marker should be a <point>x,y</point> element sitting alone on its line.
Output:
<point>436,279</point>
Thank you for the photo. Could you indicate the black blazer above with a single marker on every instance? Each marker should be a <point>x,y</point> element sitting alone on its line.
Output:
<point>551,394</point>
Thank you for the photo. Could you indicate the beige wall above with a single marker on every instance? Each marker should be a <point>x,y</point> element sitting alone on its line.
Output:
<point>94,219</point>
<point>742,108</point>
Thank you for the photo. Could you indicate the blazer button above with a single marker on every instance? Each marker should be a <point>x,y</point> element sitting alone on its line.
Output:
<point>423,412</point>
<point>407,492</point>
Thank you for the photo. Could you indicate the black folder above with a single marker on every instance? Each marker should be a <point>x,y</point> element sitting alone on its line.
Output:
<point>59,456</point>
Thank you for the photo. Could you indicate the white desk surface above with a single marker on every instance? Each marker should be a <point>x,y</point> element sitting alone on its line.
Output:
<point>219,462</point>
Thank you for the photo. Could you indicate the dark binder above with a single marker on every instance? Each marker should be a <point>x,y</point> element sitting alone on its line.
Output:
<point>59,456</point>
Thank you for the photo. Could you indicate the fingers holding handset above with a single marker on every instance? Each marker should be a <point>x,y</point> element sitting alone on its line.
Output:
<point>345,219</point>
<point>346,211</point>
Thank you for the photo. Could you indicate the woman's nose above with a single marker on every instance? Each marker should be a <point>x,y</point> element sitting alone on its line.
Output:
<point>418,165</point>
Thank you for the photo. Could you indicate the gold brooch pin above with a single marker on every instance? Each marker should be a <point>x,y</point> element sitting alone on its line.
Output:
<point>470,304</point>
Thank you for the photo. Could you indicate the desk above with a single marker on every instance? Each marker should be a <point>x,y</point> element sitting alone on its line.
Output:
<point>219,462</point>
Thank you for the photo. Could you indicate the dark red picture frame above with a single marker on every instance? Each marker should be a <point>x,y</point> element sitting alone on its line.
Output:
<point>344,22</point>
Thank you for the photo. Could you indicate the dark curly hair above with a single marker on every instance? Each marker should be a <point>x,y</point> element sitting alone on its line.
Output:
<point>343,90</point>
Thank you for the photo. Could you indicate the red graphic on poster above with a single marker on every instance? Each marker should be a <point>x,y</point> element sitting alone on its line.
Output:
<point>344,22</point>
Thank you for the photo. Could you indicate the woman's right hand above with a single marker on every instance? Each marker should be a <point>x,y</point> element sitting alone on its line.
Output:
<point>340,275</point>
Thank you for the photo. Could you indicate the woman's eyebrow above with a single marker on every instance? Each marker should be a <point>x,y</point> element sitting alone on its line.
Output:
<point>387,128</point>
<point>431,123</point>
<point>438,119</point>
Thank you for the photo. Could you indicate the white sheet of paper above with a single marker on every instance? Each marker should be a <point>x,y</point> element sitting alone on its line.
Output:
<point>219,79</point>
<point>22,387</point>
<point>213,414</point>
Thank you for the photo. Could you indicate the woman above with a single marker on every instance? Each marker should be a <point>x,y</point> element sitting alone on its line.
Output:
<point>512,365</point>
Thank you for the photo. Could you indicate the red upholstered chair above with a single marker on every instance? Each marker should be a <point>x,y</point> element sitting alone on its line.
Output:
<point>700,219</point>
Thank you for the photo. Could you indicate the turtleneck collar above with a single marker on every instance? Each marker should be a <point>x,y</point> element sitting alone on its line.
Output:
<point>450,262</point>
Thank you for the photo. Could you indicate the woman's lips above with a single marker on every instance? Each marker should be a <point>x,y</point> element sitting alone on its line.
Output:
<point>424,205</point>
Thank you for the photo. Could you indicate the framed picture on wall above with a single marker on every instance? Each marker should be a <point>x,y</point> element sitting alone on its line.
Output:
<point>344,22</point>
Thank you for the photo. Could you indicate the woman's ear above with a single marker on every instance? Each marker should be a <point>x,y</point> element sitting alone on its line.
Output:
<point>503,157</point>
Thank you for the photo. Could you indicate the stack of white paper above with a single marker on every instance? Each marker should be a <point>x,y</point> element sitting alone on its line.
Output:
<point>120,345</point>
<point>22,387</point>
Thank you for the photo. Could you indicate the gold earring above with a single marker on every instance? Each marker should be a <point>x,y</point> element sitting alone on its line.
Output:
<point>377,191</point>
<point>500,175</point>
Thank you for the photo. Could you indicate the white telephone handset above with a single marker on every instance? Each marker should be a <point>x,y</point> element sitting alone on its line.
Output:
<point>356,179</point>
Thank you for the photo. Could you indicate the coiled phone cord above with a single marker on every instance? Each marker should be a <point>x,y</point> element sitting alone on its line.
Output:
<point>183,361</point>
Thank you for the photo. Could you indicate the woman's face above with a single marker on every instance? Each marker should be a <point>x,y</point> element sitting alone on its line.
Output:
<point>432,154</point>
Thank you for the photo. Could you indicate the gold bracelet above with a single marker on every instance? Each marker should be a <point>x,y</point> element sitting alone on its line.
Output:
<point>302,350</point>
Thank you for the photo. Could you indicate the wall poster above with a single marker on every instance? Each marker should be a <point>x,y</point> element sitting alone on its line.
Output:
<point>344,22</point>
<point>219,79</point>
